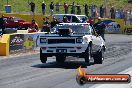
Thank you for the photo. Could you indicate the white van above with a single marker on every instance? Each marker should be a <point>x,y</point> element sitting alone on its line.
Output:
<point>72,18</point>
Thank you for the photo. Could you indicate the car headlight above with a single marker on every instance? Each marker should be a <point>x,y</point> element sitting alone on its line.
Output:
<point>79,40</point>
<point>43,40</point>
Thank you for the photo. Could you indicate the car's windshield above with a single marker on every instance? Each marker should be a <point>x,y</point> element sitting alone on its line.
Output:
<point>76,28</point>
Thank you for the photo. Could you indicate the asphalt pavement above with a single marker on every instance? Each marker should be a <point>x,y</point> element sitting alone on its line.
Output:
<point>28,72</point>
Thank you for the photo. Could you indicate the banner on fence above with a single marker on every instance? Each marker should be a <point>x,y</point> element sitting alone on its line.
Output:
<point>16,42</point>
<point>30,41</point>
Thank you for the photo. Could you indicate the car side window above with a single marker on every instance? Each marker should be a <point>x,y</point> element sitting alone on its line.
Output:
<point>74,19</point>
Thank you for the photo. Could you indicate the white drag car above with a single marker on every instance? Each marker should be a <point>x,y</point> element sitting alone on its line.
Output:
<point>72,39</point>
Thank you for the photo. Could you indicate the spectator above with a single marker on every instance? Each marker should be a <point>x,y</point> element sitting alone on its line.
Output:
<point>112,12</point>
<point>73,8</point>
<point>100,28</point>
<point>46,28</point>
<point>51,8</point>
<point>78,9</point>
<point>123,13</point>
<point>66,7</point>
<point>130,17</point>
<point>57,7</point>
<point>43,8</point>
<point>54,22</point>
<point>130,12</point>
<point>65,20</point>
<point>101,11</point>
<point>93,10</point>
<point>86,9</point>
<point>46,21</point>
<point>91,21</point>
<point>2,22</point>
<point>117,14</point>
<point>34,25</point>
<point>32,4</point>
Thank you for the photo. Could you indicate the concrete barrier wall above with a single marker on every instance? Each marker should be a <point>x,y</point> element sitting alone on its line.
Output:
<point>4,45</point>
<point>12,43</point>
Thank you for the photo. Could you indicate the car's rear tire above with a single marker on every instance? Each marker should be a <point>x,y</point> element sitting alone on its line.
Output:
<point>60,58</point>
<point>43,57</point>
<point>99,57</point>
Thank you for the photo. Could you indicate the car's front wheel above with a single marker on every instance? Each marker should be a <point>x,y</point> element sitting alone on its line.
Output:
<point>43,57</point>
<point>88,54</point>
<point>99,57</point>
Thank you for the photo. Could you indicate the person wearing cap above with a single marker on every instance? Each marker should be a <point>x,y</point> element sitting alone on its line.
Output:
<point>100,28</point>
<point>32,4</point>
<point>51,8</point>
<point>43,8</point>
<point>54,22</point>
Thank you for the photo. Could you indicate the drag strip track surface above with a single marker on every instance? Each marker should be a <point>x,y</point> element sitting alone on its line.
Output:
<point>29,72</point>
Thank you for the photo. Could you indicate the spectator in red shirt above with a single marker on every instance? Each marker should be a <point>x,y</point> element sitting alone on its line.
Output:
<point>66,7</point>
<point>91,21</point>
